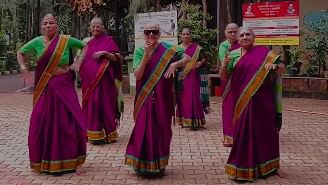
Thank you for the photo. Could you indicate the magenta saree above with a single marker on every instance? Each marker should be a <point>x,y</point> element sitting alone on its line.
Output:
<point>234,46</point>
<point>56,137</point>
<point>101,80</point>
<point>189,111</point>
<point>255,150</point>
<point>149,145</point>
<point>227,109</point>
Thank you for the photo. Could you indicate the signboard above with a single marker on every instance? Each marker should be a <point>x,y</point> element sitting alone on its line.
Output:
<point>133,81</point>
<point>274,23</point>
<point>167,21</point>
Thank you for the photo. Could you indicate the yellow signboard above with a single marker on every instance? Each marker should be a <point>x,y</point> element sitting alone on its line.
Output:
<point>293,41</point>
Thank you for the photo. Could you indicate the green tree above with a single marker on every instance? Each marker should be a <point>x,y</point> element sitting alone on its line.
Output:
<point>2,44</point>
<point>142,6</point>
<point>317,47</point>
<point>205,37</point>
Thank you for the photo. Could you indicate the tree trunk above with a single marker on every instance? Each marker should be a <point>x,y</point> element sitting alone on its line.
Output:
<point>218,21</point>
<point>29,20</point>
<point>238,12</point>
<point>205,13</point>
<point>12,9</point>
<point>117,23</point>
<point>183,5</point>
<point>158,5</point>
<point>76,27</point>
<point>38,8</point>
<point>229,11</point>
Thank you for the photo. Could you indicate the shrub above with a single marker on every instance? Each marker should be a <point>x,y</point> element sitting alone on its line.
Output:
<point>205,37</point>
<point>317,46</point>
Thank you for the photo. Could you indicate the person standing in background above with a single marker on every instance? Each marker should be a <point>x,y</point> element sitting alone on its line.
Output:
<point>189,111</point>
<point>230,44</point>
<point>101,76</point>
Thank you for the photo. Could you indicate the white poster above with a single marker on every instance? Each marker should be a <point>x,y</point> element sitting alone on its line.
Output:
<point>167,21</point>
<point>133,81</point>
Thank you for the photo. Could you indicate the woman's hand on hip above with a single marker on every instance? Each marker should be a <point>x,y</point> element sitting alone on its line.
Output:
<point>98,54</point>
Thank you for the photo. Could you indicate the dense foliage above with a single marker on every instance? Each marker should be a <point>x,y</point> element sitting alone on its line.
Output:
<point>317,48</point>
<point>204,36</point>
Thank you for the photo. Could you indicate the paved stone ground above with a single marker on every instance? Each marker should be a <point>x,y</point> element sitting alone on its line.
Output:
<point>197,157</point>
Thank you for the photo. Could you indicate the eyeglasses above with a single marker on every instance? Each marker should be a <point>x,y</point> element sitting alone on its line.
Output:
<point>155,32</point>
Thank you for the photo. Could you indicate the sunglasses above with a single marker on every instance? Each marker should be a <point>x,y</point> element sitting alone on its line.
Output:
<point>155,32</point>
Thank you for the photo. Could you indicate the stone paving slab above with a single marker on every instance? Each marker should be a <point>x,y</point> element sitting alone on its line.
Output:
<point>197,157</point>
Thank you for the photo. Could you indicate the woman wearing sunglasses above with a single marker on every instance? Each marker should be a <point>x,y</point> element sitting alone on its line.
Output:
<point>154,65</point>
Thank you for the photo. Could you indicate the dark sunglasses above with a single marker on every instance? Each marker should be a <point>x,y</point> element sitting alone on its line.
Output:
<point>155,32</point>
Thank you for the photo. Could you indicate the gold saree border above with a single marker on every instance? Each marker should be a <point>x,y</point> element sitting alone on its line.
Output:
<point>188,122</point>
<point>95,82</point>
<point>102,135</point>
<point>227,140</point>
<point>191,64</point>
<point>146,165</point>
<point>53,166</point>
<point>152,81</point>
<point>251,174</point>
<point>253,86</point>
<point>51,67</point>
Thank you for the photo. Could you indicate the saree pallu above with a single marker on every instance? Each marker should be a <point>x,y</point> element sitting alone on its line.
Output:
<point>56,137</point>
<point>227,116</point>
<point>100,103</point>
<point>148,149</point>
<point>255,150</point>
<point>227,109</point>
<point>189,111</point>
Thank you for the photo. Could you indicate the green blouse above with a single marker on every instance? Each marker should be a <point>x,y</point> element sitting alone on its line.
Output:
<point>139,53</point>
<point>235,56</point>
<point>38,46</point>
<point>223,49</point>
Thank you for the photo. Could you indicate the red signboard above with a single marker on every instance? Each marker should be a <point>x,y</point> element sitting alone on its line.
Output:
<point>274,23</point>
<point>271,9</point>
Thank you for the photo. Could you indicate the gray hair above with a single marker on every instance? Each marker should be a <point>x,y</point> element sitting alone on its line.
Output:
<point>96,19</point>
<point>246,28</point>
<point>152,25</point>
<point>231,25</point>
<point>187,28</point>
<point>49,15</point>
